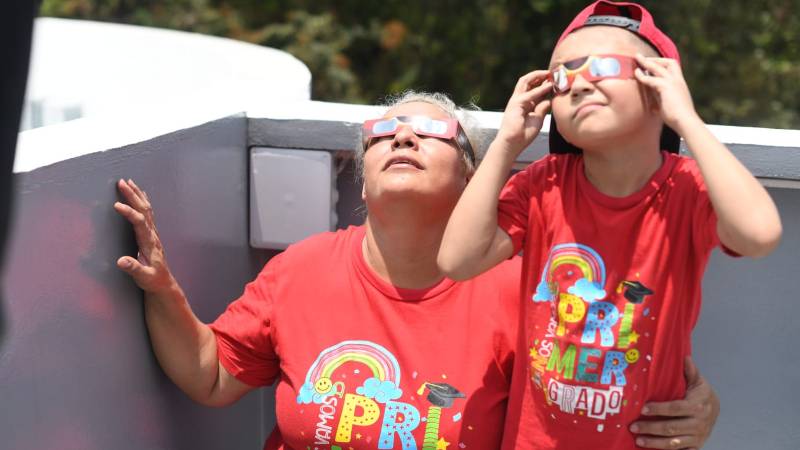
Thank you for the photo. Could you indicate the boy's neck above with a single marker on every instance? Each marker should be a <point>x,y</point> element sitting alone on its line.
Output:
<point>623,170</point>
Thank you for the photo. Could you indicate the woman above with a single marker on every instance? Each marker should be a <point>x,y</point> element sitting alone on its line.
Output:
<point>370,345</point>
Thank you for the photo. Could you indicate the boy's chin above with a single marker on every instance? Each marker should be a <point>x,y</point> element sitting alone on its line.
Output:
<point>593,141</point>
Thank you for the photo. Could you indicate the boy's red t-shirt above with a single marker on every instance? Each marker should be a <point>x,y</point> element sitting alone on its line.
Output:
<point>361,364</point>
<point>611,288</point>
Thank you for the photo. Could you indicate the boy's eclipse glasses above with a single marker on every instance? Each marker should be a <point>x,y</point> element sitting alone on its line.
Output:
<point>422,126</point>
<point>591,68</point>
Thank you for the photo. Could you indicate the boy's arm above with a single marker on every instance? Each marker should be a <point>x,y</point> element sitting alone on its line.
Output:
<point>472,242</point>
<point>747,219</point>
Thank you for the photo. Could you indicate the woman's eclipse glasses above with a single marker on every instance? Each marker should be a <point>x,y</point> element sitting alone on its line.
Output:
<point>422,126</point>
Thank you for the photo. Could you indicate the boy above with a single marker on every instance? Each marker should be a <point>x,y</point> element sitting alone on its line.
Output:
<point>615,228</point>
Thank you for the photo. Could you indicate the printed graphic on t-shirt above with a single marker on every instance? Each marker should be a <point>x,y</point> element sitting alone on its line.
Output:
<point>583,357</point>
<point>355,385</point>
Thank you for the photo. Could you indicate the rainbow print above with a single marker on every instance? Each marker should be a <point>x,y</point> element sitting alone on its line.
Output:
<point>376,358</point>
<point>584,258</point>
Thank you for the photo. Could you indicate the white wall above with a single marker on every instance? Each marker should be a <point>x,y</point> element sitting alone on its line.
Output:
<point>90,69</point>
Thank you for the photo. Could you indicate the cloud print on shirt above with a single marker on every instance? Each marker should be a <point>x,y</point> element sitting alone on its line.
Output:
<point>587,290</point>
<point>381,391</point>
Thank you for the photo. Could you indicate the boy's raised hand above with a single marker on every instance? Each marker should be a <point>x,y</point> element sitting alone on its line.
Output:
<point>524,114</point>
<point>665,78</point>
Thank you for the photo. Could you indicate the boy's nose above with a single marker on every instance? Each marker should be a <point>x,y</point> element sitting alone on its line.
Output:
<point>580,86</point>
<point>405,138</point>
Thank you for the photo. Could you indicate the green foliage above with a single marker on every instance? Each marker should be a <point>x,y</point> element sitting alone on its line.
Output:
<point>741,58</point>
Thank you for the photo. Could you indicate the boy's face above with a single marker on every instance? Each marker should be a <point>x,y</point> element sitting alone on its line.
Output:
<point>591,114</point>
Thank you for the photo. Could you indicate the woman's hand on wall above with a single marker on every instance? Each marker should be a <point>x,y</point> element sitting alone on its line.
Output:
<point>149,270</point>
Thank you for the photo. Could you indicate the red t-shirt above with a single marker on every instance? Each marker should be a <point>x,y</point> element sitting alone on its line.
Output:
<point>612,292</point>
<point>361,364</point>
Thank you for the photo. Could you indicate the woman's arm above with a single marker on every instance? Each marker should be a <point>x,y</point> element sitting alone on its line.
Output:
<point>185,347</point>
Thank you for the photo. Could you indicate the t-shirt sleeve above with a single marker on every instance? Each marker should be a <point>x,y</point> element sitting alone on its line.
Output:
<point>244,331</point>
<point>513,208</point>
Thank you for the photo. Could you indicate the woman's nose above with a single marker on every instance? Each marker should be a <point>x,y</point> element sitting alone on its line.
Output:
<point>405,138</point>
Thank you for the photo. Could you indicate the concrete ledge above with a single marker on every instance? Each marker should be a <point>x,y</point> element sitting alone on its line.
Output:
<point>771,154</point>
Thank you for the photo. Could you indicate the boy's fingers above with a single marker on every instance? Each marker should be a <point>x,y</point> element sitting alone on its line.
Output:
<point>647,80</point>
<point>524,83</point>
<point>663,62</point>
<point>541,108</point>
<point>539,91</point>
<point>652,66</point>
<point>667,63</point>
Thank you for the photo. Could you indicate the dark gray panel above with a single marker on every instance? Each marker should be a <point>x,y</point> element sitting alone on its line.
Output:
<point>746,341</point>
<point>76,369</point>
<point>304,134</point>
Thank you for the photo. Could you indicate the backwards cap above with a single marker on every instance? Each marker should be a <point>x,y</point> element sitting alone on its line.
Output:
<point>636,19</point>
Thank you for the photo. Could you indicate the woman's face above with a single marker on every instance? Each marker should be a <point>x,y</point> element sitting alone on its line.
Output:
<point>410,167</point>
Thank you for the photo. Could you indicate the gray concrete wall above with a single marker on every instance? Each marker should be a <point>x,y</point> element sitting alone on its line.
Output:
<point>76,367</point>
<point>747,341</point>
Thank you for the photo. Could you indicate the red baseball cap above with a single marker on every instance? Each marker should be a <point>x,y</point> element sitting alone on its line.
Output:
<point>636,19</point>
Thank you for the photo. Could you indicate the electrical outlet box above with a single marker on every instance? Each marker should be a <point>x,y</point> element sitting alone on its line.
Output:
<point>292,195</point>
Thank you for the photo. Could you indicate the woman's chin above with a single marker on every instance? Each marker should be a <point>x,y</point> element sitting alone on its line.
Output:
<point>413,195</point>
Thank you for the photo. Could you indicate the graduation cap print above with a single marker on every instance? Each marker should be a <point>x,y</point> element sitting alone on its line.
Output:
<point>442,394</point>
<point>635,291</point>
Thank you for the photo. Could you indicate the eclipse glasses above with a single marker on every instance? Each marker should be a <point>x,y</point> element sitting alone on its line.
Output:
<point>591,68</point>
<point>422,126</point>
